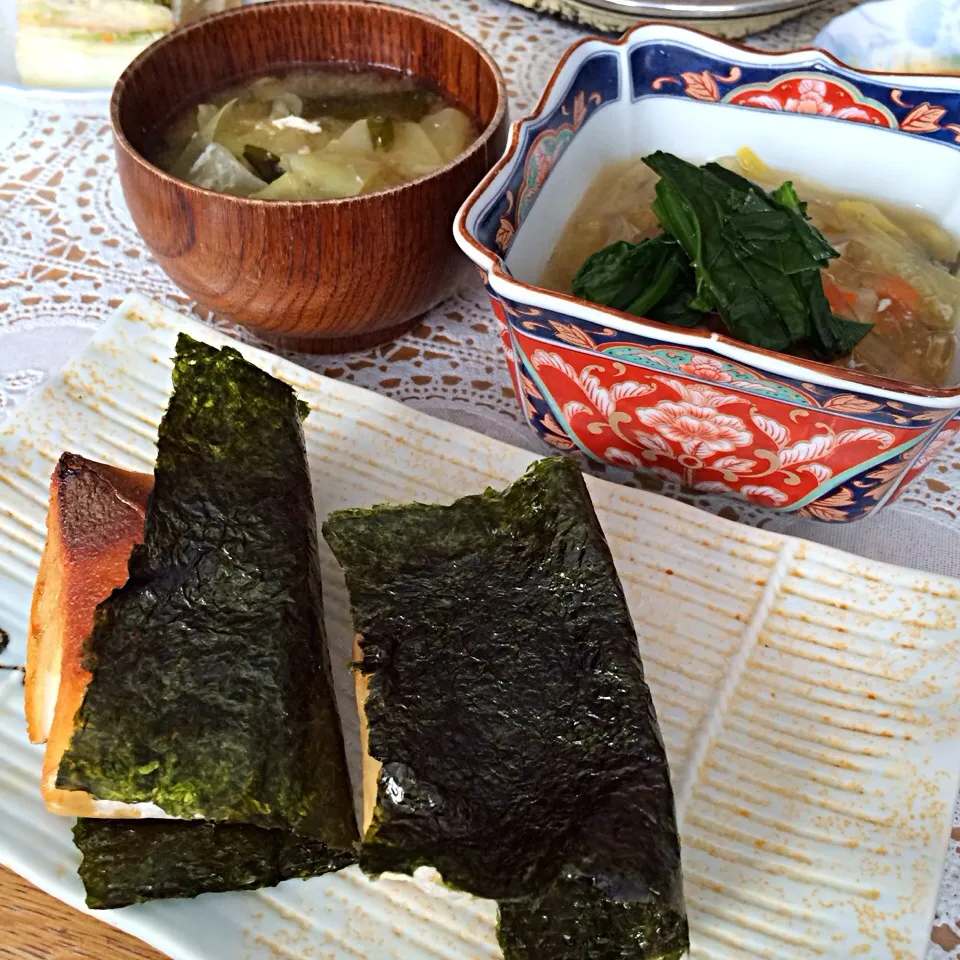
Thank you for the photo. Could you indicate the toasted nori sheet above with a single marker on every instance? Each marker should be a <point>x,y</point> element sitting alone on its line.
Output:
<point>211,692</point>
<point>131,861</point>
<point>575,921</point>
<point>507,703</point>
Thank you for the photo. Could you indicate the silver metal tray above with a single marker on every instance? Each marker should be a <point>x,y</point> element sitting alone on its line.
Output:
<point>724,18</point>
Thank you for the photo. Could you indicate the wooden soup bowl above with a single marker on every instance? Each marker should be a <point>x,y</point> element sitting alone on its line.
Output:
<point>322,275</point>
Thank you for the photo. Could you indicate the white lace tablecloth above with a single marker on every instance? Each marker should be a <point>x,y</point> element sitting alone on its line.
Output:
<point>69,254</point>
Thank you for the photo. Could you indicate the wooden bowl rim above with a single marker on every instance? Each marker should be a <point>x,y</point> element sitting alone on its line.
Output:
<point>266,9</point>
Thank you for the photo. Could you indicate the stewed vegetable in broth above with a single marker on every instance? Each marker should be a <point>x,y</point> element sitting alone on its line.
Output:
<point>892,269</point>
<point>319,133</point>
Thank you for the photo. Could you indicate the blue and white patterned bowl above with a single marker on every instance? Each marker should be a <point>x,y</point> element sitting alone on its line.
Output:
<point>903,36</point>
<point>826,442</point>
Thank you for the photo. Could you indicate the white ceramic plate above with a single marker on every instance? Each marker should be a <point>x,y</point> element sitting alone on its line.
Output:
<point>806,697</point>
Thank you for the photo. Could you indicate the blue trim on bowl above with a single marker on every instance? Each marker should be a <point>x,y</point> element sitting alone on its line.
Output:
<point>594,85</point>
<point>666,68</point>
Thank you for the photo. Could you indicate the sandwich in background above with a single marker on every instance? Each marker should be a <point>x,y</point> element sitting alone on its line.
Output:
<point>87,44</point>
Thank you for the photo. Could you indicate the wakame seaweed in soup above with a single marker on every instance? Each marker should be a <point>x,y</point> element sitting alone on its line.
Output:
<point>211,693</point>
<point>520,751</point>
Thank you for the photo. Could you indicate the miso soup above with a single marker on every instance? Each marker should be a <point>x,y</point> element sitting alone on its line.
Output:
<point>316,133</point>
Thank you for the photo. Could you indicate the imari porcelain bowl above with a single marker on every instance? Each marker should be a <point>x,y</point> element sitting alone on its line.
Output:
<point>724,417</point>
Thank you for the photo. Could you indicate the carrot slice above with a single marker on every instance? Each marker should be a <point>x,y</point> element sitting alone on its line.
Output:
<point>841,301</point>
<point>889,285</point>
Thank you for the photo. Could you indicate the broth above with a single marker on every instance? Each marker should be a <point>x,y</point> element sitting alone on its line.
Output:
<point>316,133</point>
<point>896,268</point>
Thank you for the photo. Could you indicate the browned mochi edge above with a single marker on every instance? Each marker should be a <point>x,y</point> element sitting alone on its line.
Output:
<point>95,518</point>
<point>371,766</point>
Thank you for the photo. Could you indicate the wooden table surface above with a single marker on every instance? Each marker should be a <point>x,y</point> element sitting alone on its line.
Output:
<point>35,926</point>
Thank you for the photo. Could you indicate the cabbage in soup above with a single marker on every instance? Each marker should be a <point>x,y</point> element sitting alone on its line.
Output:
<point>891,269</point>
<point>319,133</point>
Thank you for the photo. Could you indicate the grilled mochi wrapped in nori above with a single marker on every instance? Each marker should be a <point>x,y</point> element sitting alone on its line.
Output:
<point>96,516</point>
<point>95,519</point>
<point>511,738</point>
<point>211,695</point>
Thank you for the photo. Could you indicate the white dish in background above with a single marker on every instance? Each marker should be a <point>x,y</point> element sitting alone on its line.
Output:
<point>902,36</point>
<point>805,695</point>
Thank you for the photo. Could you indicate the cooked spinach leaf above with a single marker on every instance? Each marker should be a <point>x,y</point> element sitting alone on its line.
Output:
<point>211,693</point>
<point>835,336</point>
<point>757,257</point>
<point>132,861</point>
<point>758,304</point>
<point>575,921</point>
<point>651,279</point>
<point>752,257</point>
<point>507,704</point>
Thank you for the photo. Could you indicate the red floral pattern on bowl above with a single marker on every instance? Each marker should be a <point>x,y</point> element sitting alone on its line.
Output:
<point>813,95</point>
<point>713,425</point>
